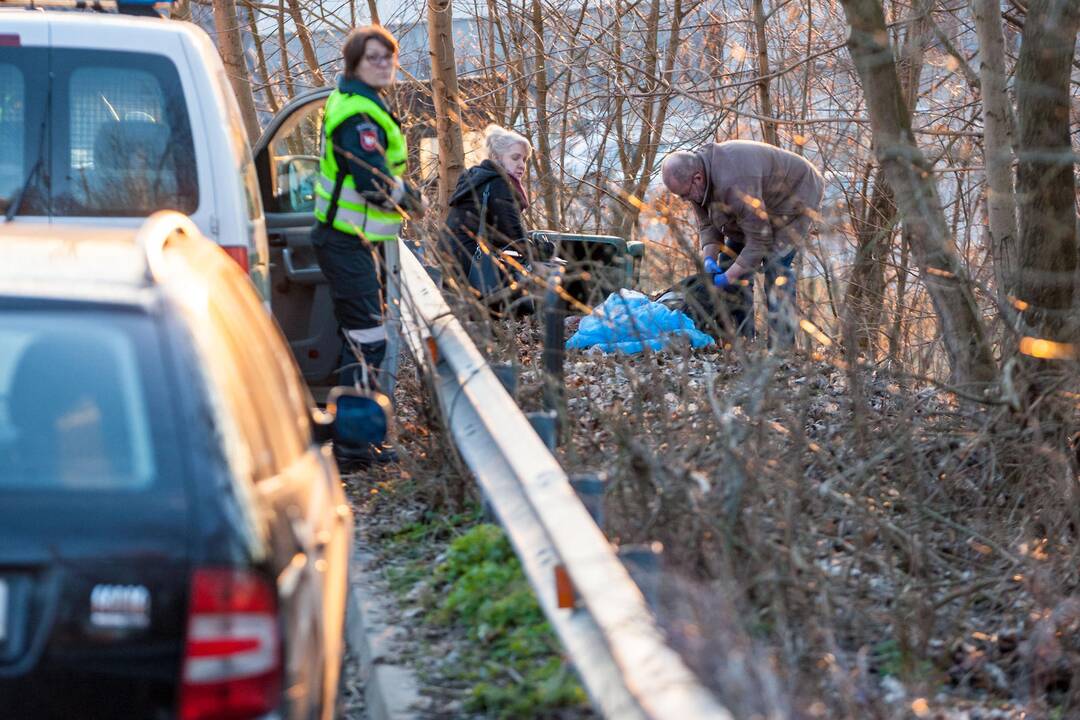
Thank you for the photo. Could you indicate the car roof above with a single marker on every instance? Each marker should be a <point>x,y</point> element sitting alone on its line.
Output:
<point>66,262</point>
<point>17,14</point>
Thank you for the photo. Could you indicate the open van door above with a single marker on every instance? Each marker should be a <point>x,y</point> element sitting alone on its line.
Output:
<point>287,160</point>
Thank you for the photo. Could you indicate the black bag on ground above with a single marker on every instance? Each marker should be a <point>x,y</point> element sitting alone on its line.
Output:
<point>717,312</point>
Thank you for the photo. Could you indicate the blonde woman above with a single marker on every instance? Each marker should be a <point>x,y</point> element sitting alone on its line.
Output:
<point>488,201</point>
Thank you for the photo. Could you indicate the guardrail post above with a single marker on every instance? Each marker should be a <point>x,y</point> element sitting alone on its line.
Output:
<point>590,489</point>
<point>507,375</point>
<point>554,352</point>
<point>388,371</point>
<point>645,565</point>
<point>546,425</point>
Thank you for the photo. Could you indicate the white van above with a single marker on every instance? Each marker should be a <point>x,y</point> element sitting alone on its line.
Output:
<point>108,117</point>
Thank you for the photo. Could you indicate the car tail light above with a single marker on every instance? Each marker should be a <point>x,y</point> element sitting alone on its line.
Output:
<point>239,253</point>
<point>232,658</point>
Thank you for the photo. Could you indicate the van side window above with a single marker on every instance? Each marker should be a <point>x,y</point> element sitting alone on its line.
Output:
<point>12,129</point>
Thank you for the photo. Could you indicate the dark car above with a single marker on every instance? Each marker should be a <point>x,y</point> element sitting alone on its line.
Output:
<point>174,541</point>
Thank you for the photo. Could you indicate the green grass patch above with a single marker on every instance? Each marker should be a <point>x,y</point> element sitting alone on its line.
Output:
<point>514,661</point>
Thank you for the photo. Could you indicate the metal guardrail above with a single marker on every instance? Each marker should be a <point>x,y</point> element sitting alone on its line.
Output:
<point>610,634</point>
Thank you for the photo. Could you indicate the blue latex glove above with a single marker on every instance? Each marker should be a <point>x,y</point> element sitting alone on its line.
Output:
<point>719,277</point>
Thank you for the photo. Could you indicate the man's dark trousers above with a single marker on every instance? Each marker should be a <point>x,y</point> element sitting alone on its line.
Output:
<point>779,296</point>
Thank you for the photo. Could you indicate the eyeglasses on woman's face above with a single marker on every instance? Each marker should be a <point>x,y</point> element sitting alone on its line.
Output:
<point>379,59</point>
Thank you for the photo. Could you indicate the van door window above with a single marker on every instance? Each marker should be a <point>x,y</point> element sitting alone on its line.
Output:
<point>129,143</point>
<point>295,151</point>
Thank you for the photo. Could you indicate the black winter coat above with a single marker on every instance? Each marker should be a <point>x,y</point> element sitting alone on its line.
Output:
<point>502,226</point>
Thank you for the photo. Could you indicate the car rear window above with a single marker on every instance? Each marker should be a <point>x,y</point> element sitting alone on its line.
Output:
<point>76,395</point>
<point>110,130</point>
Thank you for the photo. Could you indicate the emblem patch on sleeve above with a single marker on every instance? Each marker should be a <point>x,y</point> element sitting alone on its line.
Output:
<point>369,136</point>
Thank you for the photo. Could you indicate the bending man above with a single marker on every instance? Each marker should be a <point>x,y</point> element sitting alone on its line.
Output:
<point>755,205</point>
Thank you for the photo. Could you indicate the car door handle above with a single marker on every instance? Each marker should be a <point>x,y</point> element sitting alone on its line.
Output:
<point>302,276</point>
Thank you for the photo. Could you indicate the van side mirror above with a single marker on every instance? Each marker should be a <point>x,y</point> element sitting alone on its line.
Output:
<point>359,417</point>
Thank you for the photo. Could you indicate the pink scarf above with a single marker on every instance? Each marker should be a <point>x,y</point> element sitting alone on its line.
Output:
<point>516,184</point>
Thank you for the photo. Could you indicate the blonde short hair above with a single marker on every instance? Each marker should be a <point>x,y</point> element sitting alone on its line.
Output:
<point>499,140</point>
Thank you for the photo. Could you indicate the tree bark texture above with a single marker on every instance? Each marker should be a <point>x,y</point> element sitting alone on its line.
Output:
<point>865,300</point>
<point>306,43</point>
<point>1046,186</point>
<point>444,86</point>
<point>227,26</point>
<point>875,229</point>
<point>262,74</point>
<point>283,52</point>
<point>908,173</point>
<point>768,127</point>
<point>548,189</point>
<point>998,139</point>
<point>638,160</point>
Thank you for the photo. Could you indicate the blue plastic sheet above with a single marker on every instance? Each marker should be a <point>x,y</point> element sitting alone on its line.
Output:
<point>628,321</point>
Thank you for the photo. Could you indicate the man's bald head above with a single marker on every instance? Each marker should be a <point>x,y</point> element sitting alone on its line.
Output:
<point>679,172</point>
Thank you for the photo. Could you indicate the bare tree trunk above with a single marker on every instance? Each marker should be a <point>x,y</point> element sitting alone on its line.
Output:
<point>865,300</point>
<point>373,10</point>
<point>639,159</point>
<point>768,127</point>
<point>656,121</point>
<point>491,71</point>
<point>227,25</point>
<point>444,91</point>
<point>261,72</point>
<point>181,10</point>
<point>1046,185</point>
<point>908,172</point>
<point>283,49</point>
<point>548,191</point>
<point>895,336</point>
<point>306,43</point>
<point>997,142</point>
<point>800,142</point>
<point>1046,259</point>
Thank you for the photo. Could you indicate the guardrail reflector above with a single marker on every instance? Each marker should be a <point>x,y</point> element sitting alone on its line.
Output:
<point>433,349</point>
<point>564,588</point>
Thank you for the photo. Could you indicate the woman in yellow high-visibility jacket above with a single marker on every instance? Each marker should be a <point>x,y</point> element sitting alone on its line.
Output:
<point>361,200</point>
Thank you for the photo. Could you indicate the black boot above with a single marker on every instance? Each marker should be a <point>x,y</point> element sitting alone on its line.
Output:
<point>351,458</point>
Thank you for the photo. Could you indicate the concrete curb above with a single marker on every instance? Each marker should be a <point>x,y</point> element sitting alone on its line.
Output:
<point>391,692</point>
